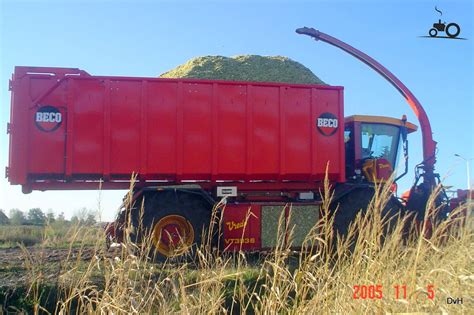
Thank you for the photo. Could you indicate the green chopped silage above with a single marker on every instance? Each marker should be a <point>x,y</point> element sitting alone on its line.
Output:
<point>302,220</point>
<point>245,68</point>
<point>270,224</point>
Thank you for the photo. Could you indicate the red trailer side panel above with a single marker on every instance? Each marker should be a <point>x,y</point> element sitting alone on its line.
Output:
<point>265,149</point>
<point>125,127</point>
<point>161,118</point>
<point>88,107</point>
<point>194,131</point>
<point>70,130</point>
<point>230,120</point>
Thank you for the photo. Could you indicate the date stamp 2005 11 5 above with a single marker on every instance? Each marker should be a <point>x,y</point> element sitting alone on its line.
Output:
<point>398,291</point>
<point>375,291</point>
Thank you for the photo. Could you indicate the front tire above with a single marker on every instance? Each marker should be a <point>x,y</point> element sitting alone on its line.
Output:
<point>357,201</point>
<point>433,32</point>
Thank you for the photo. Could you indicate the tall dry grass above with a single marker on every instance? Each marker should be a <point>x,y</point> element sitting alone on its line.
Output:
<point>318,279</point>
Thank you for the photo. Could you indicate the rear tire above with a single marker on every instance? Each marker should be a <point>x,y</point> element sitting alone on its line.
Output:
<point>179,214</point>
<point>456,32</point>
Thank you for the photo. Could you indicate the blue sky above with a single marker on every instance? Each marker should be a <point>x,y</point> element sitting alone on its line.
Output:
<point>146,38</point>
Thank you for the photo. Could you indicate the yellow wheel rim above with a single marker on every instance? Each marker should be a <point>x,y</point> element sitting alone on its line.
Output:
<point>173,235</point>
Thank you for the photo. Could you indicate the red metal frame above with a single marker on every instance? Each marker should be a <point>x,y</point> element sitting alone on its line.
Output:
<point>241,226</point>
<point>209,186</point>
<point>429,145</point>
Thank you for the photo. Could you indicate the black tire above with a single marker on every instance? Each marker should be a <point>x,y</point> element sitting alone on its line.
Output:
<point>357,201</point>
<point>392,212</point>
<point>198,211</point>
<point>455,34</point>
<point>348,207</point>
<point>158,204</point>
<point>433,32</point>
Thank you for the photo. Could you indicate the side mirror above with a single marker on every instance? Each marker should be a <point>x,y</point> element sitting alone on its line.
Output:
<point>404,135</point>
<point>403,129</point>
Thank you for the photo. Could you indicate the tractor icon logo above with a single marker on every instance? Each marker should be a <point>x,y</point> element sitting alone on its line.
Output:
<point>452,30</point>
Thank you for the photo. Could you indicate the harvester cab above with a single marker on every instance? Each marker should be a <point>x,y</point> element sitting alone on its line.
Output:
<point>373,144</point>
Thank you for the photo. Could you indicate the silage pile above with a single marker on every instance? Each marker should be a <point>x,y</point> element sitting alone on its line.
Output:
<point>245,68</point>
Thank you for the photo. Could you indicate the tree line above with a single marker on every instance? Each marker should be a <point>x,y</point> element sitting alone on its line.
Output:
<point>36,216</point>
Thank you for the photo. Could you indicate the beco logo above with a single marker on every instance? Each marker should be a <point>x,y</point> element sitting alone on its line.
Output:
<point>327,124</point>
<point>48,118</point>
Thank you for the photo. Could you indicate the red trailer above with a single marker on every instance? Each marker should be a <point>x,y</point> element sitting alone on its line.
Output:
<point>70,130</point>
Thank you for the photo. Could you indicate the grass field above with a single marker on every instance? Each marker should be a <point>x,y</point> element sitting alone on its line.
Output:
<point>58,235</point>
<point>392,275</point>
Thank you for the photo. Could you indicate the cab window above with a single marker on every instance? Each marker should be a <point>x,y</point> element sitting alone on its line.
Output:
<point>379,141</point>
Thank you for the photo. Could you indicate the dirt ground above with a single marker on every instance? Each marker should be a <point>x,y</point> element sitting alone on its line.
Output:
<point>17,265</point>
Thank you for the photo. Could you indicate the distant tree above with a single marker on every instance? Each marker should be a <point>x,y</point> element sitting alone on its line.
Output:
<point>36,216</point>
<point>82,214</point>
<point>50,216</point>
<point>17,217</point>
<point>85,216</point>
<point>74,219</point>
<point>3,218</point>
<point>61,217</point>
<point>385,152</point>
<point>90,220</point>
